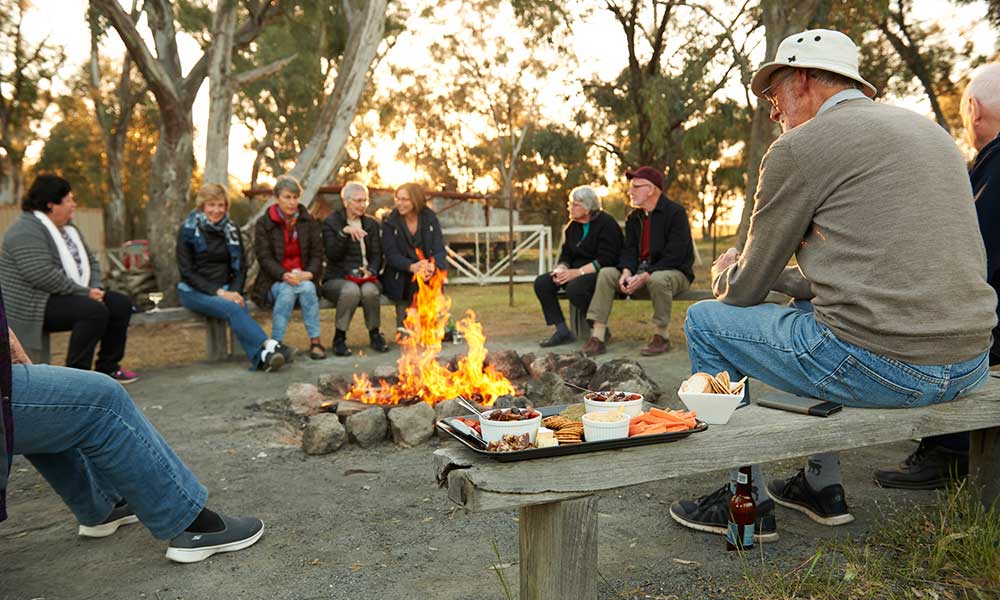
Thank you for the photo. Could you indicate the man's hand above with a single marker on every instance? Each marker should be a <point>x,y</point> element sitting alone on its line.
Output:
<point>17,354</point>
<point>623,280</point>
<point>96,294</point>
<point>423,268</point>
<point>292,277</point>
<point>354,232</point>
<point>636,282</point>
<point>232,297</point>
<point>724,261</point>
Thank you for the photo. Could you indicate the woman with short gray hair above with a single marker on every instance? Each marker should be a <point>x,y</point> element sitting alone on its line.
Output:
<point>592,239</point>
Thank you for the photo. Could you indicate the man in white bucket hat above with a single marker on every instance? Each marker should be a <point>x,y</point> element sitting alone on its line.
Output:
<point>874,203</point>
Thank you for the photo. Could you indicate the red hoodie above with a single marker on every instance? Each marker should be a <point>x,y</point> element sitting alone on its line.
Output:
<point>293,253</point>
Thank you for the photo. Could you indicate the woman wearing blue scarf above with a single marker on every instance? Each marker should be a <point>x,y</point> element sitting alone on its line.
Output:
<point>210,260</point>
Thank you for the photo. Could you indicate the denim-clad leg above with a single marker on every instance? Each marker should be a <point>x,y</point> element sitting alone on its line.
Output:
<point>93,445</point>
<point>247,331</point>
<point>787,349</point>
<point>285,296</point>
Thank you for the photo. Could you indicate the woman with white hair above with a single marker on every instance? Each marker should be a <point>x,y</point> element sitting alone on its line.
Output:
<point>592,239</point>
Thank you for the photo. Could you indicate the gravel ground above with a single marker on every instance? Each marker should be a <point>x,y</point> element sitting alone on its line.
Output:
<point>360,524</point>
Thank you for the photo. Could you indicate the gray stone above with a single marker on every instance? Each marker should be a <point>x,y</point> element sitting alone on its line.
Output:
<point>574,368</point>
<point>304,399</point>
<point>526,360</point>
<point>447,409</point>
<point>547,390</point>
<point>411,425</point>
<point>386,372</point>
<point>508,363</point>
<point>368,427</point>
<point>625,375</point>
<point>508,401</point>
<point>334,385</point>
<point>323,434</point>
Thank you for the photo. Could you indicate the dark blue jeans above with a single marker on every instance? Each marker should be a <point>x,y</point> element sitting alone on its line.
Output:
<point>250,335</point>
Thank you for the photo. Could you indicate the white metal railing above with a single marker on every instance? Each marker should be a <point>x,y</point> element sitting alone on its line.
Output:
<point>489,267</point>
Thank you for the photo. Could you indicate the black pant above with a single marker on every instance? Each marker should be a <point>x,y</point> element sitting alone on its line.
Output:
<point>579,291</point>
<point>91,321</point>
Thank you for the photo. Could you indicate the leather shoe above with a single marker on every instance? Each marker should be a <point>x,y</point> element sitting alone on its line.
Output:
<point>928,468</point>
<point>593,347</point>
<point>657,345</point>
<point>558,339</point>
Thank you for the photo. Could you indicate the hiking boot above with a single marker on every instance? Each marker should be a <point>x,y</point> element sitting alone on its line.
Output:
<point>340,344</point>
<point>593,347</point>
<point>124,377</point>
<point>378,342</point>
<point>120,515</point>
<point>928,468</point>
<point>711,514</point>
<point>827,506</point>
<point>558,339</point>
<point>238,533</point>
<point>657,345</point>
<point>271,360</point>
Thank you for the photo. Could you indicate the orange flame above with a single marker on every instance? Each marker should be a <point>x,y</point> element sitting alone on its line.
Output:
<point>421,376</point>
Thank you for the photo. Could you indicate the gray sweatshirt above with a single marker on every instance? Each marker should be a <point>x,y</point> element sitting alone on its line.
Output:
<point>874,203</point>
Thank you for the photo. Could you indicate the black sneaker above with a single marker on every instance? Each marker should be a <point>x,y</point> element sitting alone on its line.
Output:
<point>287,351</point>
<point>378,342</point>
<point>711,514</point>
<point>340,346</point>
<point>827,506</point>
<point>928,468</point>
<point>272,361</point>
<point>239,533</point>
<point>120,515</point>
<point>558,339</point>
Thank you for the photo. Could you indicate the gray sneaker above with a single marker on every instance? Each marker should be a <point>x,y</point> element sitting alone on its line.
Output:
<point>121,515</point>
<point>239,533</point>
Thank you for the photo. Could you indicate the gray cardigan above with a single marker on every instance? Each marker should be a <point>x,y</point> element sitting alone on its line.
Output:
<point>30,272</point>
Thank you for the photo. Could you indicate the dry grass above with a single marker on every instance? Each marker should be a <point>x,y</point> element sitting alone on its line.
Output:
<point>155,346</point>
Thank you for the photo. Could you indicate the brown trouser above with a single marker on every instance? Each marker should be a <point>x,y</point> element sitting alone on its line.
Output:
<point>661,287</point>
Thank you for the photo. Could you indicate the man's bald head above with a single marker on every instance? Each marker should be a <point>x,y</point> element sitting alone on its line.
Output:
<point>980,108</point>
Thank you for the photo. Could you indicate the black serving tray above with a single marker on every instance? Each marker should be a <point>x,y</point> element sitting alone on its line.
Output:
<point>581,448</point>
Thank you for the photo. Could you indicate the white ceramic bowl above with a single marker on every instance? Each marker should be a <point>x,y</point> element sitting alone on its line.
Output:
<point>596,431</point>
<point>631,407</point>
<point>493,431</point>
<point>714,409</point>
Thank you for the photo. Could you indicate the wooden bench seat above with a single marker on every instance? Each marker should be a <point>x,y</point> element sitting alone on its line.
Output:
<point>218,342</point>
<point>558,508</point>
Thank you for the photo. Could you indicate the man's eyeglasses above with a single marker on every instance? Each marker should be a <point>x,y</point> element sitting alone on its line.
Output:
<point>639,186</point>
<point>770,91</point>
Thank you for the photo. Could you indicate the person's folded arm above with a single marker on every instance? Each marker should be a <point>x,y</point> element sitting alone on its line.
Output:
<point>629,258</point>
<point>793,283</point>
<point>261,243</point>
<point>609,245</point>
<point>781,217</point>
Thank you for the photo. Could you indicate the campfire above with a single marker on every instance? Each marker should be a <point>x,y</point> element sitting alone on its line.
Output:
<point>421,377</point>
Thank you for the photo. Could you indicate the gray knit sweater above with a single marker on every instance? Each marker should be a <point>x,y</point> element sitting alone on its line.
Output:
<point>30,272</point>
<point>875,204</point>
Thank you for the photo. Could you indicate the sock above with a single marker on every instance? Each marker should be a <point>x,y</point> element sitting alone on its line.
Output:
<point>206,522</point>
<point>663,331</point>
<point>599,330</point>
<point>758,483</point>
<point>561,329</point>
<point>339,334</point>
<point>823,470</point>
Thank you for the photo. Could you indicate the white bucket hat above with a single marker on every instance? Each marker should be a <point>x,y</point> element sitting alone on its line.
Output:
<point>814,49</point>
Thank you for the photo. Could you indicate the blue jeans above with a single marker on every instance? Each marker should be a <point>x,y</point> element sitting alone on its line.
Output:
<point>285,296</point>
<point>249,334</point>
<point>787,349</point>
<point>87,438</point>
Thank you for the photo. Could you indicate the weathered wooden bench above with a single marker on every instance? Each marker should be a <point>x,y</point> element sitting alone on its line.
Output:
<point>219,344</point>
<point>556,496</point>
<point>580,327</point>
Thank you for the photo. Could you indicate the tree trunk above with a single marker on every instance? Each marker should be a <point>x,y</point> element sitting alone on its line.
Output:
<point>170,186</point>
<point>220,86</point>
<point>322,156</point>
<point>781,18</point>
<point>11,179</point>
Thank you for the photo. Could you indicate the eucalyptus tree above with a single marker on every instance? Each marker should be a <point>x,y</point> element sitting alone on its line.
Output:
<point>26,73</point>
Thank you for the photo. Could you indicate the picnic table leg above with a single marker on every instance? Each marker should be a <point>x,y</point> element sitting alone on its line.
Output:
<point>984,464</point>
<point>217,345</point>
<point>559,550</point>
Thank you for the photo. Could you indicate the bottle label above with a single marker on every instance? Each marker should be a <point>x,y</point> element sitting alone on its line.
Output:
<point>741,477</point>
<point>733,535</point>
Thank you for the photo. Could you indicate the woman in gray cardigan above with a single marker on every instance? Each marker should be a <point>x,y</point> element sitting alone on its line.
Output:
<point>52,282</point>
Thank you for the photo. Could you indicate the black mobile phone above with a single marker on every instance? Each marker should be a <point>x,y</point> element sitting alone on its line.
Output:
<point>799,404</point>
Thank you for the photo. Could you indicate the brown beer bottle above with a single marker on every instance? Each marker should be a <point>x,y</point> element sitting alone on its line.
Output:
<point>742,513</point>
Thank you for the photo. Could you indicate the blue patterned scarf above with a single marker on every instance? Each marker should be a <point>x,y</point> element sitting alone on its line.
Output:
<point>197,223</point>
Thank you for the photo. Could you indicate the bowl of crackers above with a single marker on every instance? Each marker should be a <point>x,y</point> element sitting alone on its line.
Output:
<point>714,398</point>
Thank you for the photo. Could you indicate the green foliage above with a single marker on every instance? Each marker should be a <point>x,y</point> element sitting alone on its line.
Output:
<point>555,160</point>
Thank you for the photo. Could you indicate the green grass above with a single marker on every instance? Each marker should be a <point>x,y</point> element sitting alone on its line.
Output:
<point>947,551</point>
